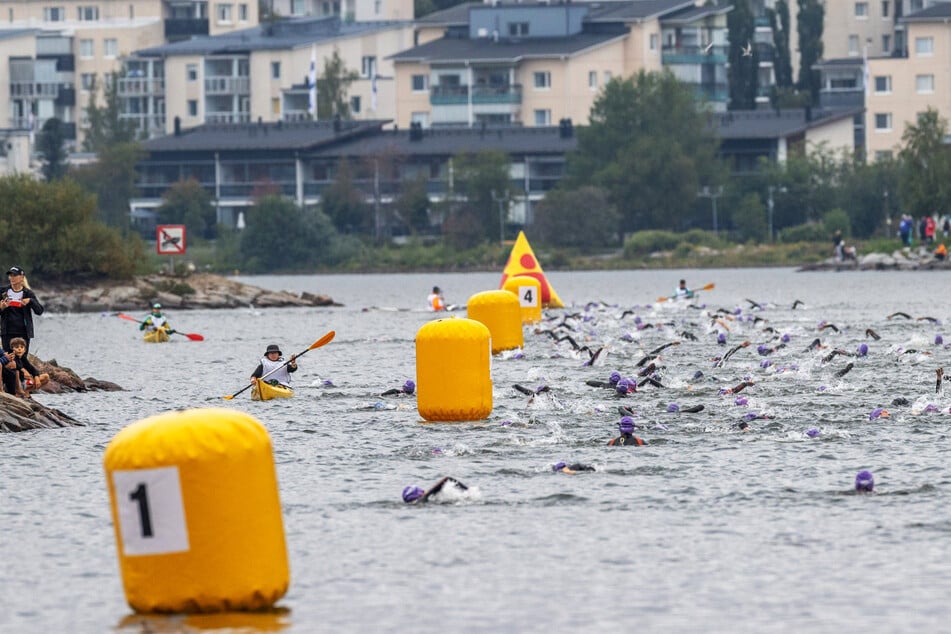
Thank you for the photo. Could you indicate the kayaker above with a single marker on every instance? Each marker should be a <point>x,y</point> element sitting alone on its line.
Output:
<point>18,303</point>
<point>408,388</point>
<point>156,320</point>
<point>415,495</point>
<point>435,301</point>
<point>627,437</point>
<point>31,379</point>
<point>273,366</point>
<point>683,291</point>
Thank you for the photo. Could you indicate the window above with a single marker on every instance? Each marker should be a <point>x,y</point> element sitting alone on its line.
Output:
<point>593,79</point>
<point>886,43</point>
<point>884,8</point>
<point>883,83</point>
<point>883,155</point>
<point>653,41</point>
<point>377,6</point>
<point>917,5</point>
<point>192,107</point>
<point>924,46</point>
<point>883,121</point>
<point>924,83</point>
<point>275,70</point>
<point>87,14</point>
<point>87,49</point>
<point>275,105</point>
<point>191,72</point>
<point>518,29</point>
<point>542,117</point>
<point>419,83</point>
<point>297,7</point>
<point>608,76</point>
<point>10,14</point>
<point>368,66</point>
<point>53,14</point>
<point>224,13</point>
<point>355,104</point>
<point>87,81</point>
<point>541,79</point>
<point>242,13</point>
<point>131,11</point>
<point>861,9</point>
<point>110,47</point>
<point>326,6</point>
<point>853,45</point>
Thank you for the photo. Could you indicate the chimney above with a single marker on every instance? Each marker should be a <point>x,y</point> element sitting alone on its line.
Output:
<point>415,131</point>
<point>178,126</point>
<point>565,129</point>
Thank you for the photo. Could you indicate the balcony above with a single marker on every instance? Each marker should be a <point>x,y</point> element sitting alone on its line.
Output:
<point>141,87</point>
<point>149,123</point>
<point>181,28</point>
<point>296,115</point>
<point>66,96</point>
<point>694,55</point>
<point>227,117</point>
<point>717,93</point>
<point>229,85</point>
<point>481,94</point>
<point>37,90</point>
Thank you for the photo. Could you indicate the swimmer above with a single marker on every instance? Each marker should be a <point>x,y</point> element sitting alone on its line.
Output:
<point>415,495</point>
<point>571,469</point>
<point>940,378</point>
<point>593,356</point>
<point>899,314</point>
<point>407,389</point>
<point>841,373</point>
<point>754,305</point>
<point>824,326</point>
<point>871,333</point>
<point>656,351</point>
<point>730,353</point>
<point>686,334</point>
<point>627,437</point>
<point>815,345</point>
<point>736,389</point>
<point>609,384</point>
<point>674,408</point>
<point>864,482</point>
<point>797,303</point>
<point>652,380</point>
<point>831,355</point>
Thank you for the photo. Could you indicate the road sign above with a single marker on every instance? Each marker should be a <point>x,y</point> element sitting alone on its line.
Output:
<point>170,239</point>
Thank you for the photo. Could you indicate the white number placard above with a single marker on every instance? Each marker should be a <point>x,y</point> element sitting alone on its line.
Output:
<point>150,509</point>
<point>527,296</point>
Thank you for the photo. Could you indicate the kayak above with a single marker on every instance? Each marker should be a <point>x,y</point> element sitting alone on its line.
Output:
<point>155,336</point>
<point>263,391</point>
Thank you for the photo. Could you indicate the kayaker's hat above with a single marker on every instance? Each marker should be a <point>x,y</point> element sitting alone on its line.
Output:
<point>626,426</point>
<point>409,387</point>
<point>15,270</point>
<point>273,348</point>
<point>864,481</point>
<point>411,493</point>
<point>157,305</point>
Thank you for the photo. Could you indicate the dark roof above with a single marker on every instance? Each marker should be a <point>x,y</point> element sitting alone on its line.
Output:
<point>632,10</point>
<point>485,49</point>
<point>284,34</point>
<point>769,124</point>
<point>450,141</point>
<point>458,14</point>
<point>9,33</point>
<point>839,62</point>
<point>692,14</point>
<point>260,136</point>
<point>937,13</point>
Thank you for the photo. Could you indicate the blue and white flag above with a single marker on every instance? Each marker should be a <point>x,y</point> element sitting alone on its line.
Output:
<point>312,81</point>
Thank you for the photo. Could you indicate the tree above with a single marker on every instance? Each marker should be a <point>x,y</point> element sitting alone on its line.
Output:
<point>744,58</point>
<point>809,22</point>
<point>412,205</point>
<point>484,178</point>
<point>112,179</point>
<point>345,204</point>
<point>332,87</point>
<point>926,166</point>
<point>282,236</point>
<point>558,223</point>
<point>106,127</point>
<point>188,203</point>
<point>649,145</point>
<point>51,144</point>
<point>749,219</point>
<point>782,63</point>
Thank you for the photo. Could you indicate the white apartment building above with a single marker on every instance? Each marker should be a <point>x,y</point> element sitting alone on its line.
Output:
<point>349,10</point>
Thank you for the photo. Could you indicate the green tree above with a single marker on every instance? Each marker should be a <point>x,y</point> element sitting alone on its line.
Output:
<point>63,239</point>
<point>926,166</point>
<point>780,24</point>
<point>744,58</point>
<point>484,178</point>
<point>749,219</point>
<point>869,193</point>
<point>345,203</point>
<point>280,236</point>
<point>51,144</point>
<point>558,223</point>
<point>809,22</point>
<point>106,127</point>
<point>112,178</point>
<point>332,88</point>
<point>188,203</point>
<point>649,145</point>
<point>412,205</point>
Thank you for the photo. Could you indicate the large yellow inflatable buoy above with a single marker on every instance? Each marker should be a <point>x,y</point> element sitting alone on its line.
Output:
<point>500,312</point>
<point>453,370</point>
<point>522,261</point>
<point>196,512</point>
<point>528,290</point>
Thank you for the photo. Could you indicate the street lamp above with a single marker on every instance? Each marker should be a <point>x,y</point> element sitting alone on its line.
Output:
<point>712,194</point>
<point>501,200</point>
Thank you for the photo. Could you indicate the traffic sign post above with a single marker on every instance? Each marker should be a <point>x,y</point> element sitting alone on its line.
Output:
<point>170,240</point>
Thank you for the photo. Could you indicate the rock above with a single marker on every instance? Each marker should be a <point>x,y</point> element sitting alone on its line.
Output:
<point>65,380</point>
<point>19,414</point>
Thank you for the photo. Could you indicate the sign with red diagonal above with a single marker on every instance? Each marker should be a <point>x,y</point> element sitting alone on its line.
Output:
<point>170,239</point>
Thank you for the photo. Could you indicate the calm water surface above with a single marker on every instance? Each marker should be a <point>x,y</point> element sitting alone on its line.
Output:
<point>705,529</point>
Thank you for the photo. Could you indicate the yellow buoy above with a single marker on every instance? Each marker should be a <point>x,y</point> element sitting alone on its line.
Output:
<point>501,313</point>
<point>197,513</point>
<point>528,291</point>
<point>453,370</point>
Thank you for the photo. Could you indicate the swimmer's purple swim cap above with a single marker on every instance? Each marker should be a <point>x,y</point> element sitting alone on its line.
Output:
<point>864,481</point>
<point>626,425</point>
<point>412,493</point>
<point>673,407</point>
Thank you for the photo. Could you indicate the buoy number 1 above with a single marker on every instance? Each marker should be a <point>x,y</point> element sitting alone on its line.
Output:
<point>150,511</point>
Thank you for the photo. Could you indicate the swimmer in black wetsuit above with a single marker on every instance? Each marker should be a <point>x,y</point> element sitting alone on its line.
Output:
<point>415,495</point>
<point>571,469</point>
<point>408,388</point>
<point>627,437</point>
<point>609,384</point>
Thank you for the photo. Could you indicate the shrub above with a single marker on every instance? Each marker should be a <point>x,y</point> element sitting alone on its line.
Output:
<point>809,232</point>
<point>643,243</point>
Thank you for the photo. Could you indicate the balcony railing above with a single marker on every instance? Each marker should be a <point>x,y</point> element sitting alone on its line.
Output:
<point>185,27</point>
<point>481,94</point>
<point>694,54</point>
<point>48,90</point>
<point>147,122</point>
<point>227,85</point>
<point>296,115</point>
<point>141,87</point>
<point>227,117</point>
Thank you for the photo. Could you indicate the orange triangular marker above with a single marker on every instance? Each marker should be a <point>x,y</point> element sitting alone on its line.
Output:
<point>522,262</point>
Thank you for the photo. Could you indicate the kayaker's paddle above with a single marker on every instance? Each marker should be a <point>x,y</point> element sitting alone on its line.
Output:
<point>323,341</point>
<point>708,287</point>
<point>191,335</point>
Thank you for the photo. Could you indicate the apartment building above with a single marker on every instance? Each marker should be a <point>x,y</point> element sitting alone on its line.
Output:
<point>535,64</point>
<point>350,10</point>
<point>210,79</point>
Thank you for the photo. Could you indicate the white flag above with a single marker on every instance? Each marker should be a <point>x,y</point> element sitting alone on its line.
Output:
<point>312,81</point>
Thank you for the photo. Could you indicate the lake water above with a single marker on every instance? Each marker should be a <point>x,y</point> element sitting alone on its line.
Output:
<point>707,528</point>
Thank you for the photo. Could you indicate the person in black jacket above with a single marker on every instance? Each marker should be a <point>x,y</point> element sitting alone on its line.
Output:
<point>17,305</point>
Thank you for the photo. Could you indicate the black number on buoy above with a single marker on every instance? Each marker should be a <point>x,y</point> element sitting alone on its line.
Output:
<point>142,497</point>
<point>528,296</point>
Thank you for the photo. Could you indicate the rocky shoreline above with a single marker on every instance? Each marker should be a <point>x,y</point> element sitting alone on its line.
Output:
<point>906,259</point>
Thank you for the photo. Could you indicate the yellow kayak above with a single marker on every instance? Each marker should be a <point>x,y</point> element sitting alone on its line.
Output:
<point>263,391</point>
<point>155,336</point>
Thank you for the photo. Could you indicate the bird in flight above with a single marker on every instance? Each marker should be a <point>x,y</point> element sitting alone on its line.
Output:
<point>747,50</point>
